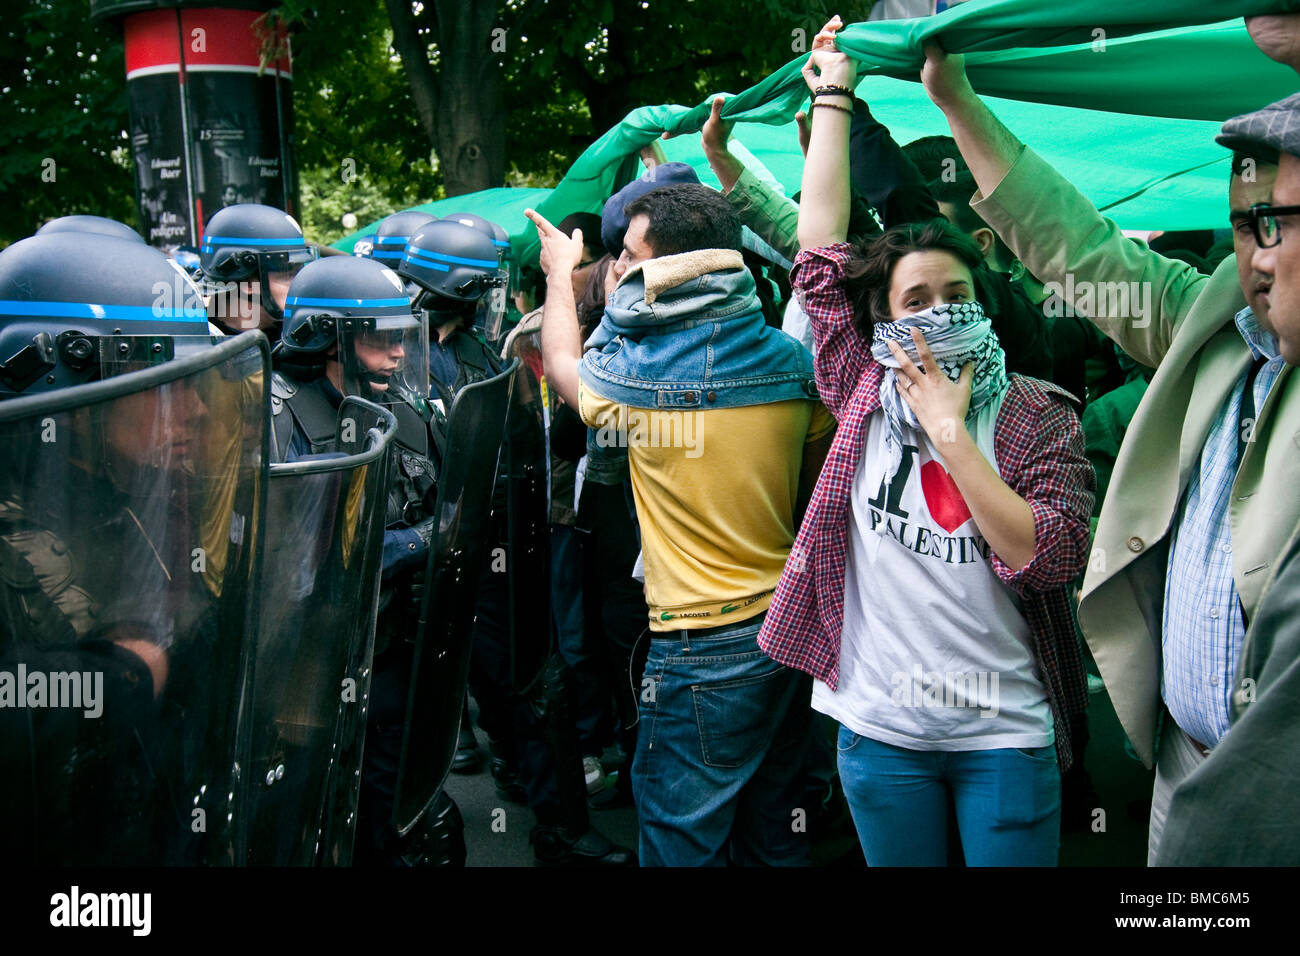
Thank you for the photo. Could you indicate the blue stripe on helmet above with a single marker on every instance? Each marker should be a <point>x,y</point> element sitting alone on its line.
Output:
<point>300,241</point>
<point>500,242</point>
<point>457,260</point>
<point>382,254</point>
<point>392,240</point>
<point>427,263</point>
<point>298,301</point>
<point>94,311</point>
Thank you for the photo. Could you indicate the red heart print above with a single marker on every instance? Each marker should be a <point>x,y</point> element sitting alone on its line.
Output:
<point>947,506</point>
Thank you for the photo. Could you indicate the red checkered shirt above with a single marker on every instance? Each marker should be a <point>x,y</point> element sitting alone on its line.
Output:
<point>1039,446</point>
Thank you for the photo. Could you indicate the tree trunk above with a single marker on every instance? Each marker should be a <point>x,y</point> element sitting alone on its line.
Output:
<point>461,106</point>
<point>471,131</point>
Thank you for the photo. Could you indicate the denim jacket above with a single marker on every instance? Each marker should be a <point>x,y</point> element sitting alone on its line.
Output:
<point>686,332</point>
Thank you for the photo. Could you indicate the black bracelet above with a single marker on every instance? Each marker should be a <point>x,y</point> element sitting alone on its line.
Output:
<point>832,91</point>
<point>833,106</point>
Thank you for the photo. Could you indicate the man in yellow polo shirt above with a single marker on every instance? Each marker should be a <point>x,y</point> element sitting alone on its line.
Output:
<point>724,438</point>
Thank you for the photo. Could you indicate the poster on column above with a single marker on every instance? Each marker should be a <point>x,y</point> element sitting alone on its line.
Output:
<point>236,145</point>
<point>157,146</point>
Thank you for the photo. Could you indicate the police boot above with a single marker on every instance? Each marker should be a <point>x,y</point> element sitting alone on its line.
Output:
<point>438,839</point>
<point>468,759</point>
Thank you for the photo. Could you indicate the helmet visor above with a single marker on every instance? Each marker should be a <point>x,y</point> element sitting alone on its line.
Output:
<point>276,272</point>
<point>385,358</point>
<point>119,354</point>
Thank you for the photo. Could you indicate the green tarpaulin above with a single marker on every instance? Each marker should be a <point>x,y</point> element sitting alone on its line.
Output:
<point>502,206</point>
<point>1122,96</point>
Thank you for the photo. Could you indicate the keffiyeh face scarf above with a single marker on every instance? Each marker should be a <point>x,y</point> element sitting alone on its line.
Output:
<point>957,333</point>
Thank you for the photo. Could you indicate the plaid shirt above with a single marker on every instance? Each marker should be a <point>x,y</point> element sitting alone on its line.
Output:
<point>1039,447</point>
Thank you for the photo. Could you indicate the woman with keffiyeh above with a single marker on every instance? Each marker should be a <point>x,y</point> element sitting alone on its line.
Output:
<point>927,589</point>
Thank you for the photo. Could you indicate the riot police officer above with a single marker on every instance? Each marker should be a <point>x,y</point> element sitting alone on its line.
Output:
<point>247,259</point>
<point>350,330</point>
<point>490,314</point>
<point>127,532</point>
<point>459,270</point>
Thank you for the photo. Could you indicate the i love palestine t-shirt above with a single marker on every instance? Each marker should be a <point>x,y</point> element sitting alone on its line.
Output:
<point>935,653</point>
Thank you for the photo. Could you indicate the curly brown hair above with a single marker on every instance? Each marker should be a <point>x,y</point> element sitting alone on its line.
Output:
<point>871,269</point>
<point>591,306</point>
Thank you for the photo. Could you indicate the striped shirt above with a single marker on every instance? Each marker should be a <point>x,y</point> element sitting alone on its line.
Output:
<point>1203,629</point>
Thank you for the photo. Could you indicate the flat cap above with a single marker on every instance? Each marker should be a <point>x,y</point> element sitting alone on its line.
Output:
<point>613,226</point>
<point>1266,132</point>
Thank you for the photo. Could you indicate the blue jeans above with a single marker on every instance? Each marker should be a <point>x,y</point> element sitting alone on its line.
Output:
<point>1008,803</point>
<point>717,774</point>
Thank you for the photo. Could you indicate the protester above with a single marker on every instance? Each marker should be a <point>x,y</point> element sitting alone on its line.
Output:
<point>1239,807</point>
<point>952,514</point>
<point>1176,572</point>
<point>722,437</point>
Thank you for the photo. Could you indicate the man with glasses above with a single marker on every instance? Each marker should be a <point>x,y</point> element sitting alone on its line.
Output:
<point>1239,807</point>
<point>1203,499</point>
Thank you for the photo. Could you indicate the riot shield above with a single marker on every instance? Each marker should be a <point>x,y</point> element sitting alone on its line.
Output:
<point>310,674</point>
<point>131,515</point>
<point>528,543</point>
<point>440,664</point>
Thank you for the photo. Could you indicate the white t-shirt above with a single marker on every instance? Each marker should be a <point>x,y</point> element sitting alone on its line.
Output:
<point>935,653</point>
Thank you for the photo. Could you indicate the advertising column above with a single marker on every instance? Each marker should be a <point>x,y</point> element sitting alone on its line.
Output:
<point>211,109</point>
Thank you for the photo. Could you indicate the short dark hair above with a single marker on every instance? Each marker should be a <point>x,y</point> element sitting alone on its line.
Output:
<point>957,192</point>
<point>930,154</point>
<point>686,217</point>
<point>589,223</point>
<point>871,268</point>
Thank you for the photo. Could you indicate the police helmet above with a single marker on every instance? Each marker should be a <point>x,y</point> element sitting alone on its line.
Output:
<point>250,242</point>
<point>455,268</point>
<point>492,309</point>
<point>126,305</point>
<point>359,307</point>
<point>95,225</point>
<point>393,233</point>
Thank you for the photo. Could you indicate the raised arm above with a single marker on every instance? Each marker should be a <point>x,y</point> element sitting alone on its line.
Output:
<point>1055,231</point>
<point>561,337</point>
<point>824,202</point>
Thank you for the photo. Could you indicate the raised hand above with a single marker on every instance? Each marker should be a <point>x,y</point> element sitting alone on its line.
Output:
<point>828,67</point>
<point>944,75</point>
<point>939,403</point>
<point>560,254</point>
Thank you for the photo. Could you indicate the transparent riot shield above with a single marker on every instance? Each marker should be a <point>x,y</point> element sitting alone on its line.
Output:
<point>440,664</point>
<point>131,517</point>
<point>528,509</point>
<point>310,675</point>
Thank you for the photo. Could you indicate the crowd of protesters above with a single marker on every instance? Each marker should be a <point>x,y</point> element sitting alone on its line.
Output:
<point>855,500</point>
<point>918,504</point>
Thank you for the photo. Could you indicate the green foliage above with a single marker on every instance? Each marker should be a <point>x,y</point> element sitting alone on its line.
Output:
<point>351,101</point>
<point>327,198</point>
<point>571,70</point>
<point>62,98</point>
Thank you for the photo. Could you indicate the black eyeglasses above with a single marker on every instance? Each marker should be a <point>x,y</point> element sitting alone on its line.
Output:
<point>1264,222</point>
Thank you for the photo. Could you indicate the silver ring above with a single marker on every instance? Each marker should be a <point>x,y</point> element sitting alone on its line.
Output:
<point>909,386</point>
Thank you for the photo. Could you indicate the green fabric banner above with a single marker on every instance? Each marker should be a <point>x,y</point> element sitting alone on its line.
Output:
<point>503,206</point>
<point>1121,96</point>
